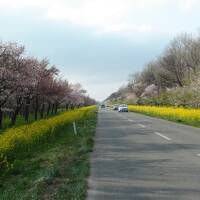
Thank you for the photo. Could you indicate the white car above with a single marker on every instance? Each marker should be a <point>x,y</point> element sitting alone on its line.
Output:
<point>123,108</point>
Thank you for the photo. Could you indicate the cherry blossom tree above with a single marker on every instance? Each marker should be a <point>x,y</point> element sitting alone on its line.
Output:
<point>29,85</point>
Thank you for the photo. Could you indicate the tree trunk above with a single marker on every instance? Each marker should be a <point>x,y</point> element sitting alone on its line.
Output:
<point>178,79</point>
<point>36,113</point>
<point>48,109</point>
<point>14,116</point>
<point>36,108</point>
<point>52,108</point>
<point>27,110</point>
<point>66,106</point>
<point>1,118</point>
<point>17,110</point>
<point>26,114</point>
<point>56,108</point>
<point>42,111</point>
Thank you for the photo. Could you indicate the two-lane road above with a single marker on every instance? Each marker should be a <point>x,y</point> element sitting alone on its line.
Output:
<point>140,157</point>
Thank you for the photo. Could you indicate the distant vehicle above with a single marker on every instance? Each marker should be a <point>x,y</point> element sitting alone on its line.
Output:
<point>123,108</point>
<point>115,107</point>
<point>103,106</point>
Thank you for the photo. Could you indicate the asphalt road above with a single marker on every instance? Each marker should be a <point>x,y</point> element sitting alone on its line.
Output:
<point>140,157</point>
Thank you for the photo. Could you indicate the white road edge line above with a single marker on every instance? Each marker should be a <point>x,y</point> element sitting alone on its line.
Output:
<point>163,136</point>
<point>141,125</point>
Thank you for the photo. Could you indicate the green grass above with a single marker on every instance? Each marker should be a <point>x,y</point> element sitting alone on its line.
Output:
<point>55,170</point>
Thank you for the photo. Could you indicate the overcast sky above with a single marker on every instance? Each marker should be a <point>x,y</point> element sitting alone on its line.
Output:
<point>97,42</point>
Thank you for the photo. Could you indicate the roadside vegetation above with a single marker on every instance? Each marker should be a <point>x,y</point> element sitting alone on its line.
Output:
<point>45,159</point>
<point>32,89</point>
<point>172,79</point>
<point>40,156</point>
<point>182,115</point>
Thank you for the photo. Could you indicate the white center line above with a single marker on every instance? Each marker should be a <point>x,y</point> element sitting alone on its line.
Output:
<point>130,120</point>
<point>163,136</point>
<point>198,154</point>
<point>141,125</point>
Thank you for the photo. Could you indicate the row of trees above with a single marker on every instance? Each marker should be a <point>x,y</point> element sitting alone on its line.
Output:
<point>171,79</point>
<point>29,85</point>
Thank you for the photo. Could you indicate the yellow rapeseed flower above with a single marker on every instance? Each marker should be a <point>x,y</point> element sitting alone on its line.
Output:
<point>185,115</point>
<point>16,140</point>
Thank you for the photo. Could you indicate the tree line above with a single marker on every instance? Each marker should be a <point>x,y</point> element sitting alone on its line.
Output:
<point>32,86</point>
<point>172,78</point>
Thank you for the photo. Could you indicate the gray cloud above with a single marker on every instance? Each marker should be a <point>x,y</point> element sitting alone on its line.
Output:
<point>101,61</point>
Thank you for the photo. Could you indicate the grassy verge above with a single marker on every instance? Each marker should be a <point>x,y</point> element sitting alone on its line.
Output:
<point>181,115</point>
<point>54,170</point>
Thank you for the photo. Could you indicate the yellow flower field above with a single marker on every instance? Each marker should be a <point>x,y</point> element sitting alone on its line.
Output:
<point>15,141</point>
<point>184,115</point>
